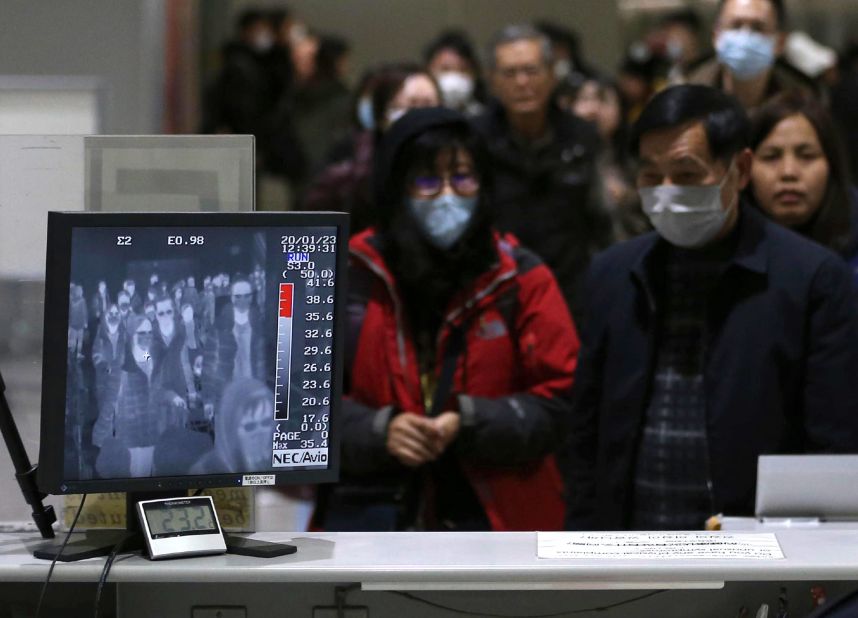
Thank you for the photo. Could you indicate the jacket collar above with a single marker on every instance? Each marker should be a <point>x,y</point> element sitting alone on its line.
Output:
<point>366,247</point>
<point>749,254</point>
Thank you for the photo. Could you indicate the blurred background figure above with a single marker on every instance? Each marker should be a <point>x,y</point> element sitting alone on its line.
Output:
<point>450,58</point>
<point>544,160</point>
<point>799,176</point>
<point>599,101</point>
<point>251,94</point>
<point>322,99</point>
<point>749,38</point>
<point>347,185</point>
<point>243,426</point>
<point>678,35</point>
<point>641,74</point>
<point>844,102</point>
<point>568,63</point>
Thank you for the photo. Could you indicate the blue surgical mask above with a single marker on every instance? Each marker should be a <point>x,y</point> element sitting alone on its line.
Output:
<point>746,53</point>
<point>364,113</point>
<point>443,219</point>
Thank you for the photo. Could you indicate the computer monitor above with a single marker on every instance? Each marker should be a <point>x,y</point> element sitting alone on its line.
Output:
<point>191,350</point>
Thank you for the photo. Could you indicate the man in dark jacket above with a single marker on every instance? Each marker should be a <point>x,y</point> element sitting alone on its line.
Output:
<point>715,339</point>
<point>544,160</point>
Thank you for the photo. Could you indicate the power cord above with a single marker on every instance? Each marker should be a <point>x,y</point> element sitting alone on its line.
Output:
<point>58,554</point>
<point>464,612</point>
<point>106,570</point>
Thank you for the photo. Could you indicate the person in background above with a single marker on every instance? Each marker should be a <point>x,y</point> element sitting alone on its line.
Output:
<point>679,35</point>
<point>126,430</point>
<point>322,112</point>
<point>108,355</point>
<point>568,61</point>
<point>242,94</point>
<point>123,301</point>
<point>844,102</point>
<point>347,186</point>
<point>546,190</point>
<point>236,346</point>
<point>78,321</point>
<point>99,303</point>
<point>717,338</point>
<point>452,61</point>
<point>285,27</point>
<point>800,178</point>
<point>243,427</point>
<point>252,94</point>
<point>642,73</point>
<point>130,288</point>
<point>598,100</point>
<point>749,40</point>
<point>362,120</point>
<point>476,343</point>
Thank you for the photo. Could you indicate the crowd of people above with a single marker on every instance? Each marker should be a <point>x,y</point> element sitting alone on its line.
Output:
<point>690,217</point>
<point>152,377</point>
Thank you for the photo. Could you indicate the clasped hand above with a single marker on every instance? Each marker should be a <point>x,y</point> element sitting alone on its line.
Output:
<point>415,440</point>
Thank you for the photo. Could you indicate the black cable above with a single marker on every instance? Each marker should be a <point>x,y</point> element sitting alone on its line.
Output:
<point>58,554</point>
<point>106,570</point>
<point>464,612</point>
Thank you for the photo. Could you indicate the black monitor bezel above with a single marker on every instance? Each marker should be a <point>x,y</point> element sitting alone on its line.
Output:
<point>54,361</point>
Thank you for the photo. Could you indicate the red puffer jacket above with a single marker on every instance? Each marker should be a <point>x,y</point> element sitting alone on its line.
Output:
<point>510,386</point>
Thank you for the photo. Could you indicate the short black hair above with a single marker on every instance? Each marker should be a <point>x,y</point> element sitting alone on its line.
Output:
<point>456,40</point>
<point>777,5</point>
<point>683,17</point>
<point>250,17</point>
<point>724,119</point>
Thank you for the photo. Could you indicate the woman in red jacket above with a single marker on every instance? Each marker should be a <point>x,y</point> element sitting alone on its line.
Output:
<point>460,352</point>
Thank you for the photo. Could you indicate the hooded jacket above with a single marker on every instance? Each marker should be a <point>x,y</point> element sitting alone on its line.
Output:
<point>510,384</point>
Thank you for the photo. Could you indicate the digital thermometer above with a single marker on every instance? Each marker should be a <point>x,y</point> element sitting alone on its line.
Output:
<point>179,527</point>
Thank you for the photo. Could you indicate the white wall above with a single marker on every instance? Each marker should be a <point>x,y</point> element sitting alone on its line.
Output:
<point>119,41</point>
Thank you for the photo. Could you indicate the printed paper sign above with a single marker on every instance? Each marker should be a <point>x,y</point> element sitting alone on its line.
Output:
<point>658,545</point>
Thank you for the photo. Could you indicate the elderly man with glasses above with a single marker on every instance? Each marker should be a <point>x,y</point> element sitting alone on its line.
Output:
<point>544,160</point>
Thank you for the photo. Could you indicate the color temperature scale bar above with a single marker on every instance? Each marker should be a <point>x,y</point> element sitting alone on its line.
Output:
<point>284,352</point>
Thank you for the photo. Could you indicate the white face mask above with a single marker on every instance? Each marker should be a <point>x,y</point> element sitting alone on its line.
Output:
<point>686,216</point>
<point>562,69</point>
<point>395,114</point>
<point>262,42</point>
<point>456,88</point>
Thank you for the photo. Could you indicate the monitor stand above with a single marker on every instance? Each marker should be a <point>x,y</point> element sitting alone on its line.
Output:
<point>96,543</point>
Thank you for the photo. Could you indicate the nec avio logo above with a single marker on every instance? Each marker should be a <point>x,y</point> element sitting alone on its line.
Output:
<point>302,457</point>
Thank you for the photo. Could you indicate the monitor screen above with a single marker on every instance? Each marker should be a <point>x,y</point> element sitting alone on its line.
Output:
<point>191,350</point>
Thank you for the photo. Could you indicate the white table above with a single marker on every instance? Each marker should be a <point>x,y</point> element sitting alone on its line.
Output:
<point>488,572</point>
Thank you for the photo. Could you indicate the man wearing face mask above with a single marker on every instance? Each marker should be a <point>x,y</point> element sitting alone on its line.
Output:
<point>715,339</point>
<point>459,352</point>
<point>127,432</point>
<point>749,39</point>
<point>236,347</point>
<point>170,360</point>
<point>130,288</point>
<point>108,353</point>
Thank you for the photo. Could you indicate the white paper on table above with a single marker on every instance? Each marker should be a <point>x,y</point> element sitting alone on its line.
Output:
<point>658,545</point>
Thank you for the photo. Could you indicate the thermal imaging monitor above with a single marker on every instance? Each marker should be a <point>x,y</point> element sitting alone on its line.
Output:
<point>191,350</point>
